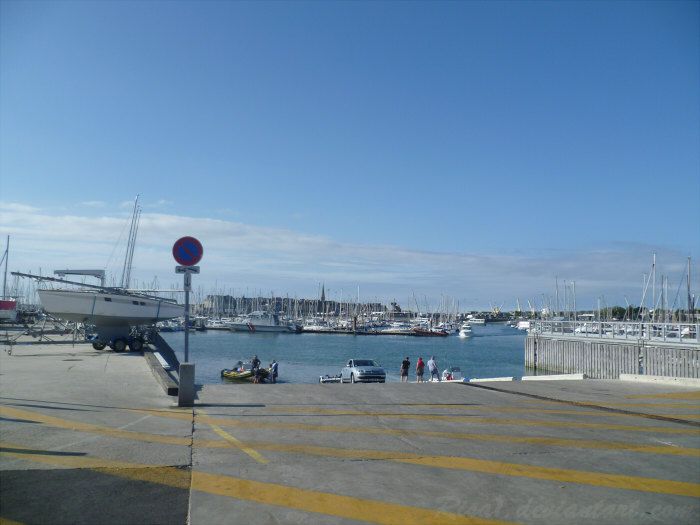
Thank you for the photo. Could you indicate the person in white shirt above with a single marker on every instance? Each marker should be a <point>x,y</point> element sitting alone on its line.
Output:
<point>433,368</point>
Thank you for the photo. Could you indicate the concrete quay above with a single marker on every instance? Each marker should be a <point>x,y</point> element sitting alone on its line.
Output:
<point>90,437</point>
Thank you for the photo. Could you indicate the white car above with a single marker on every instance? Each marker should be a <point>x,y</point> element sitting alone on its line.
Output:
<point>362,371</point>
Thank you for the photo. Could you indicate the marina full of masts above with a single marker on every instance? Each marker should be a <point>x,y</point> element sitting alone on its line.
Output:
<point>283,314</point>
<point>661,302</point>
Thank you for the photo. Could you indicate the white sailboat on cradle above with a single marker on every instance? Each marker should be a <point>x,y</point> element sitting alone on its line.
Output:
<point>113,311</point>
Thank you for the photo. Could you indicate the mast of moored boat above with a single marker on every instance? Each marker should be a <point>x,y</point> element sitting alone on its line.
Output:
<point>5,258</point>
<point>690,299</point>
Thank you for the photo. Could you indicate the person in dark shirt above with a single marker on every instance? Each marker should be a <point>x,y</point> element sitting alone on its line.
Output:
<point>405,364</point>
<point>273,371</point>
<point>255,368</point>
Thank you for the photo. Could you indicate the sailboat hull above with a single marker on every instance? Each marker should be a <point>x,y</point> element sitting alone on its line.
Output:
<point>107,309</point>
<point>8,310</point>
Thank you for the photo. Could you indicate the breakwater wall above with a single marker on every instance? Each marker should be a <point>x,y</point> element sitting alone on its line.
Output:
<point>607,358</point>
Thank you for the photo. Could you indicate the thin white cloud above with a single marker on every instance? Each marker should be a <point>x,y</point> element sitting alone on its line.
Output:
<point>93,204</point>
<point>16,207</point>
<point>160,203</point>
<point>244,256</point>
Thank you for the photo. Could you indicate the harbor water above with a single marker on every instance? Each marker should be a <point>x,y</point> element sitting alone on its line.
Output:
<point>494,350</point>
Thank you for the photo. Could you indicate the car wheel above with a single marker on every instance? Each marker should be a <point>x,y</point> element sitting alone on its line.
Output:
<point>352,378</point>
<point>119,345</point>
<point>99,346</point>
<point>136,345</point>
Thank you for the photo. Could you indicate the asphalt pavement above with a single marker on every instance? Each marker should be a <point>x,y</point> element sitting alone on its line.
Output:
<point>90,437</point>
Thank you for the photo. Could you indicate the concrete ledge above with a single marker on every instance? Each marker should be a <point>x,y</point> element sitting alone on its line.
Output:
<point>662,380</point>
<point>163,362</point>
<point>166,381</point>
<point>485,379</point>
<point>558,377</point>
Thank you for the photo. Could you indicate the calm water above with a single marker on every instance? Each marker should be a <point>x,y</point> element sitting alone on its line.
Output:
<point>493,350</point>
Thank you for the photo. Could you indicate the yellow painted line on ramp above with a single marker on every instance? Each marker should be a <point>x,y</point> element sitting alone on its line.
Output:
<point>476,408</point>
<point>684,406</point>
<point>228,437</point>
<point>174,440</point>
<point>693,394</point>
<point>91,428</point>
<point>160,474</point>
<point>7,521</point>
<point>511,422</point>
<point>371,511</point>
<point>501,438</point>
<point>367,510</point>
<point>598,479</point>
<point>591,413</point>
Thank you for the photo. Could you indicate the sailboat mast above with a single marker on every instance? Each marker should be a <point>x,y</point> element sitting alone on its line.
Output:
<point>126,271</point>
<point>133,247</point>
<point>690,299</point>
<point>653,288</point>
<point>6,258</point>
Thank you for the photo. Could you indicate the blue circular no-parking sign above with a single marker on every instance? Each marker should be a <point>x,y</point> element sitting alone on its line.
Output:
<point>188,251</point>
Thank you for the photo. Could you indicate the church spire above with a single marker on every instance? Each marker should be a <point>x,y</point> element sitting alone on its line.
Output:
<point>323,293</point>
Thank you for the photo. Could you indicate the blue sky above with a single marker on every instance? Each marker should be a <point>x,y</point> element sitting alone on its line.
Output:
<point>475,150</point>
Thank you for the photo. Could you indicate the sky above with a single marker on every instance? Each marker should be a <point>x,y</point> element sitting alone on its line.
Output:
<point>479,151</point>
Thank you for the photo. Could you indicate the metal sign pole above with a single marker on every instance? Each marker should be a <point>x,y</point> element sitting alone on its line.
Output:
<point>187,251</point>
<point>187,285</point>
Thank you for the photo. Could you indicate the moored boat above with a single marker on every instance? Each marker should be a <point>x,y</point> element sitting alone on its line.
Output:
<point>8,305</point>
<point>243,375</point>
<point>432,332</point>
<point>263,322</point>
<point>8,310</point>
<point>465,330</point>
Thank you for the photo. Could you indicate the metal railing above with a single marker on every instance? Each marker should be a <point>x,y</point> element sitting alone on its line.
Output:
<point>683,333</point>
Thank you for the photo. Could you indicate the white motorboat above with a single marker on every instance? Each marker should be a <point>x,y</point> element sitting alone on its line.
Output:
<point>465,330</point>
<point>523,325</point>
<point>316,324</point>
<point>217,324</point>
<point>263,322</point>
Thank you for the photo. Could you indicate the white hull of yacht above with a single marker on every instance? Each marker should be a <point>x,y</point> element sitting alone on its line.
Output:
<point>254,327</point>
<point>107,309</point>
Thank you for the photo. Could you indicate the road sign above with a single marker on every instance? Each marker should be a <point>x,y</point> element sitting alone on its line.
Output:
<point>188,251</point>
<point>187,269</point>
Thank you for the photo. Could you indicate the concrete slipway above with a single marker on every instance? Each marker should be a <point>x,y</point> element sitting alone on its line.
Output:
<point>90,437</point>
